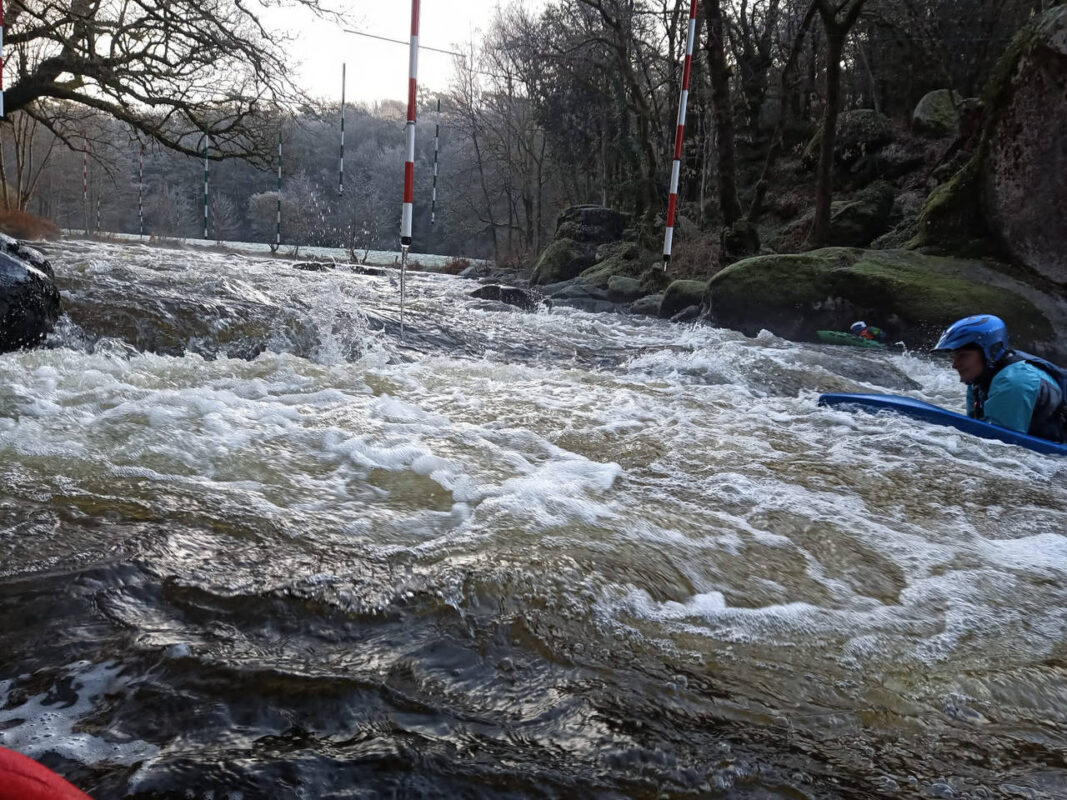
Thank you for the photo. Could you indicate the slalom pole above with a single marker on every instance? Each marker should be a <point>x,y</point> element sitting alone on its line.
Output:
<point>341,169</point>
<point>1,58</point>
<point>98,212</point>
<point>436,139</point>
<point>140,195</point>
<point>85,188</point>
<point>679,135</point>
<point>409,165</point>
<point>278,230</point>
<point>205,184</point>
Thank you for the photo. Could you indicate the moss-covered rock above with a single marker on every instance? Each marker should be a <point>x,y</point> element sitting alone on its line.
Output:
<point>1025,171</point>
<point>622,289</point>
<point>952,221</point>
<point>855,222</point>
<point>1011,195</point>
<point>623,258</point>
<point>859,133</point>
<point>680,295</point>
<point>911,295</point>
<point>562,260</point>
<point>590,224</point>
<point>935,115</point>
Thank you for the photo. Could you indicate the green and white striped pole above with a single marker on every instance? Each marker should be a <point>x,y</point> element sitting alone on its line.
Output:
<point>205,183</point>
<point>436,139</point>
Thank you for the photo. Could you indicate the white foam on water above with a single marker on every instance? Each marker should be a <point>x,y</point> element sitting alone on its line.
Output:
<point>43,724</point>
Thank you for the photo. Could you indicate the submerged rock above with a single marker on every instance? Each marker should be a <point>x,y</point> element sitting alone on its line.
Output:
<point>29,300</point>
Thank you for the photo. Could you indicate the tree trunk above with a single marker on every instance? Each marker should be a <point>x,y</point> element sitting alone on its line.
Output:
<point>820,229</point>
<point>719,73</point>
<point>836,34</point>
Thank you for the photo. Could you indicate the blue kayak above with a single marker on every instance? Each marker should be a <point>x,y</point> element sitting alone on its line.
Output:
<point>927,412</point>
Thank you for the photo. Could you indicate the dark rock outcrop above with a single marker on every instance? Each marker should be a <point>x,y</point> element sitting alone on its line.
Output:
<point>1010,198</point>
<point>29,300</point>
<point>511,295</point>
<point>860,133</point>
<point>1025,176</point>
<point>580,233</point>
<point>856,222</point>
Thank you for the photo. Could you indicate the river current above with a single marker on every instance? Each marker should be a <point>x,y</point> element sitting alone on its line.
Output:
<point>254,544</point>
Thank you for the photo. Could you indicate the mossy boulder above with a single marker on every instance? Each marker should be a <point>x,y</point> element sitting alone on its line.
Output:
<point>590,224</point>
<point>681,295</point>
<point>855,222</point>
<point>911,295</point>
<point>859,133</point>
<point>619,258</point>
<point>622,289</point>
<point>562,260</point>
<point>936,114</point>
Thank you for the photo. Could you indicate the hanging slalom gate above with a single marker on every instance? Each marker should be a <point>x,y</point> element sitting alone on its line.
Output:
<point>409,165</point>
<point>140,194</point>
<point>436,140</point>
<point>278,220</point>
<point>205,183</point>
<point>679,135</point>
<point>85,188</point>
<point>341,167</point>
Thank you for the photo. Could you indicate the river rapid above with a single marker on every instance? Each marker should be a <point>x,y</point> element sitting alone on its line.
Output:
<point>253,544</point>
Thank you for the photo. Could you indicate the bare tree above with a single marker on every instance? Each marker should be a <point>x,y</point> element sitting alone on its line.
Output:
<point>169,69</point>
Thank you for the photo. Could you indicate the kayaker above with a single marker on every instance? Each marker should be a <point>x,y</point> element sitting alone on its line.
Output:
<point>868,332</point>
<point>1009,388</point>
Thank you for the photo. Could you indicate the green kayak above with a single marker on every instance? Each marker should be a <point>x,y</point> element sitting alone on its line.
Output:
<point>850,339</point>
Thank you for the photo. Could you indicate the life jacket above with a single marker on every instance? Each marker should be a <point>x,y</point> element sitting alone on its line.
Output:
<point>1049,420</point>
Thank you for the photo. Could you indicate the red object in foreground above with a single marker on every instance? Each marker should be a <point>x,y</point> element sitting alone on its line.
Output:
<point>22,778</point>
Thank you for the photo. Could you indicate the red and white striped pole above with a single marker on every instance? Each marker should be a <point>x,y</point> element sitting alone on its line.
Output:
<point>409,165</point>
<point>1,58</point>
<point>679,135</point>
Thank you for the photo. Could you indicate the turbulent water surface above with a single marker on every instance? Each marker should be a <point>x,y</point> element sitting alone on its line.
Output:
<point>254,545</point>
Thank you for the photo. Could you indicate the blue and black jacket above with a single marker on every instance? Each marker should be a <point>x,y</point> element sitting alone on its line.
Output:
<point>1024,393</point>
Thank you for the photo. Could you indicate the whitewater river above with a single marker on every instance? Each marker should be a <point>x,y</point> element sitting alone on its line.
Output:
<point>254,545</point>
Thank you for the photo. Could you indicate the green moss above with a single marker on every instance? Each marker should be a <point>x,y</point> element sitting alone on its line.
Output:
<point>680,295</point>
<point>626,259</point>
<point>562,260</point>
<point>952,220</point>
<point>911,294</point>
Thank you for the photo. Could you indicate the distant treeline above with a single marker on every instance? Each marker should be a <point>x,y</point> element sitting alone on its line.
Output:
<point>576,103</point>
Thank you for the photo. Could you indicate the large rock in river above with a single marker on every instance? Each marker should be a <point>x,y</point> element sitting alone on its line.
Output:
<point>29,300</point>
<point>913,296</point>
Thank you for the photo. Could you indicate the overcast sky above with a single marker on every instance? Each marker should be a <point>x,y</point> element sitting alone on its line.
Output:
<point>378,70</point>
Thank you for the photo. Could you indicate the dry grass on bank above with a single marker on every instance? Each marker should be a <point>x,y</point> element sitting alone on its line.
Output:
<point>24,225</point>
<point>696,257</point>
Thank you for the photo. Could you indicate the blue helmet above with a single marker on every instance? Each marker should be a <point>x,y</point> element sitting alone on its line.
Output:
<point>988,332</point>
<point>858,327</point>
